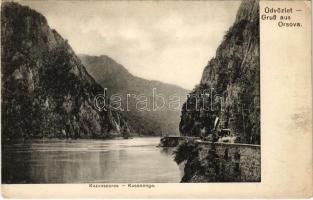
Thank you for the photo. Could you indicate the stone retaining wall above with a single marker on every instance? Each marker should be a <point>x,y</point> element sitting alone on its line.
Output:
<point>236,162</point>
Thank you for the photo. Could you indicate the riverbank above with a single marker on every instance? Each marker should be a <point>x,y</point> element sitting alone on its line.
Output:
<point>174,141</point>
<point>219,162</point>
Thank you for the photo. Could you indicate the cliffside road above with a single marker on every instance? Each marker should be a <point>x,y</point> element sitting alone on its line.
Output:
<point>230,83</point>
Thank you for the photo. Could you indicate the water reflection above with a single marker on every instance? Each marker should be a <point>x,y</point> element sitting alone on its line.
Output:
<point>84,161</point>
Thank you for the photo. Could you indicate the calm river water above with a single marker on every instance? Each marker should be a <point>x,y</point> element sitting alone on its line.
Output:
<point>84,161</point>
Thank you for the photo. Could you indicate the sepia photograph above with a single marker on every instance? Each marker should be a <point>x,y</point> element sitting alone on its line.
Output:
<point>132,92</point>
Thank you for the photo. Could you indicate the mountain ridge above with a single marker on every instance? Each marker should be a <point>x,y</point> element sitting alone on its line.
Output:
<point>119,80</point>
<point>80,55</point>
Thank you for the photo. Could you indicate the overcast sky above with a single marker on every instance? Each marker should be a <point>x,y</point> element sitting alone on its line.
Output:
<point>166,41</point>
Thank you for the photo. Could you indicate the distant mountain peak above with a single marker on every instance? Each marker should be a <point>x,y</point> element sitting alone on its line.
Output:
<point>118,80</point>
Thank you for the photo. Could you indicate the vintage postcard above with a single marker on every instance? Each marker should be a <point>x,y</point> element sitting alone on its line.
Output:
<point>156,99</point>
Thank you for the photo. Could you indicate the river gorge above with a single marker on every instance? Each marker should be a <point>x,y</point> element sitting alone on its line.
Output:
<point>136,160</point>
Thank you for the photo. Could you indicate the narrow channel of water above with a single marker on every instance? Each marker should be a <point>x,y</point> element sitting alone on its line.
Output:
<point>135,160</point>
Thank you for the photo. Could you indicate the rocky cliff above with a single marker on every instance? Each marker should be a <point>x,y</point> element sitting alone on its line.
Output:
<point>219,162</point>
<point>230,84</point>
<point>119,81</point>
<point>46,90</point>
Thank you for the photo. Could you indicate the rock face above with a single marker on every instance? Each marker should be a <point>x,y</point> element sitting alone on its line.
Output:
<point>230,84</point>
<point>219,162</point>
<point>46,91</point>
<point>113,76</point>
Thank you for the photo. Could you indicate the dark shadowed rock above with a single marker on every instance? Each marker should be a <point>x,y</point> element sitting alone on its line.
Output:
<point>234,73</point>
<point>46,90</point>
